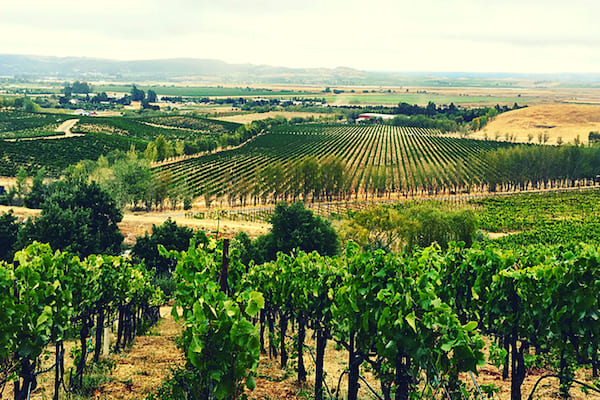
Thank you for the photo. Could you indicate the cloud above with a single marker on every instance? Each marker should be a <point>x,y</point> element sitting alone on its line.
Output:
<point>379,35</point>
<point>529,41</point>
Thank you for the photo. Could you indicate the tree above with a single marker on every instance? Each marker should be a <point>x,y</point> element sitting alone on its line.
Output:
<point>151,96</point>
<point>39,192</point>
<point>22,188</point>
<point>78,217</point>
<point>378,228</point>
<point>310,175</point>
<point>169,235</point>
<point>442,227</point>
<point>132,180</point>
<point>81,87</point>
<point>295,227</point>
<point>179,147</point>
<point>164,149</point>
<point>162,186</point>
<point>392,229</point>
<point>137,94</point>
<point>68,91</point>
<point>333,176</point>
<point>151,153</point>
<point>431,109</point>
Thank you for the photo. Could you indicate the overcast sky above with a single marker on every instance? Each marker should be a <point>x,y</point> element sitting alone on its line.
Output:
<point>541,36</point>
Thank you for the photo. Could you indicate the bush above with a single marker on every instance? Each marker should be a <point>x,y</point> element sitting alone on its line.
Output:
<point>295,227</point>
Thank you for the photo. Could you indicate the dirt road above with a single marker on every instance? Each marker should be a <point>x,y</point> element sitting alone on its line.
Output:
<point>66,127</point>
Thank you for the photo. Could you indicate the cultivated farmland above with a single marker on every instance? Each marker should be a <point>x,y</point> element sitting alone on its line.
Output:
<point>18,124</point>
<point>374,159</point>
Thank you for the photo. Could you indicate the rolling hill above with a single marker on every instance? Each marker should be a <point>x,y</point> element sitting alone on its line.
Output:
<point>563,121</point>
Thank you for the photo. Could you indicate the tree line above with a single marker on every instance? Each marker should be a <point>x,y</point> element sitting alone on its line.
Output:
<point>536,167</point>
<point>446,118</point>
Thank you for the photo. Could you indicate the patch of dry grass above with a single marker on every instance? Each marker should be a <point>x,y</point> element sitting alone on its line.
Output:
<point>565,121</point>
<point>247,118</point>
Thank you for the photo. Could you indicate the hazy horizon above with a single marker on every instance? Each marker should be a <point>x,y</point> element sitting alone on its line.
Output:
<point>407,73</point>
<point>519,37</point>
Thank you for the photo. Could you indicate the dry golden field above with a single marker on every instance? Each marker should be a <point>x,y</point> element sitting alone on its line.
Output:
<point>564,121</point>
<point>247,118</point>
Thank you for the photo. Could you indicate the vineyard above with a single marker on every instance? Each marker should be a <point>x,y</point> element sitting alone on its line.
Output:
<point>374,159</point>
<point>415,322</point>
<point>149,128</point>
<point>409,325</point>
<point>17,124</point>
<point>549,218</point>
<point>102,135</point>
<point>57,155</point>
<point>50,297</point>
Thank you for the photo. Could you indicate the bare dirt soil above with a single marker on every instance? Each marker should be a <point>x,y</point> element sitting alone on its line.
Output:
<point>140,370</point>
<point>137,372</point>
<point>565,121</point>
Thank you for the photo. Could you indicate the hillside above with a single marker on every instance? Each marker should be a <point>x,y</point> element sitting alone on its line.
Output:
<point>564,121</point>
<point>219,72</point>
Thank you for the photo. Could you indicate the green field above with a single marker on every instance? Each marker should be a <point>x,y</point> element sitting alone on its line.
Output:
<point>199,91</point>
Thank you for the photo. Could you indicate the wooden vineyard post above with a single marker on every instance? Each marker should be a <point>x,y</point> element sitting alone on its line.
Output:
<point>225,267</point>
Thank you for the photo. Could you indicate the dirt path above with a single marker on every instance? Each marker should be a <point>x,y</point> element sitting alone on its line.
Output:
<point>140,370</point>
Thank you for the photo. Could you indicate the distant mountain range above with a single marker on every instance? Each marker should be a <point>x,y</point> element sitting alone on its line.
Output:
<point>215,71</point>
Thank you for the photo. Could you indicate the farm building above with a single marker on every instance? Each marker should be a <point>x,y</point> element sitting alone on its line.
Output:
<point>368,116</point>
